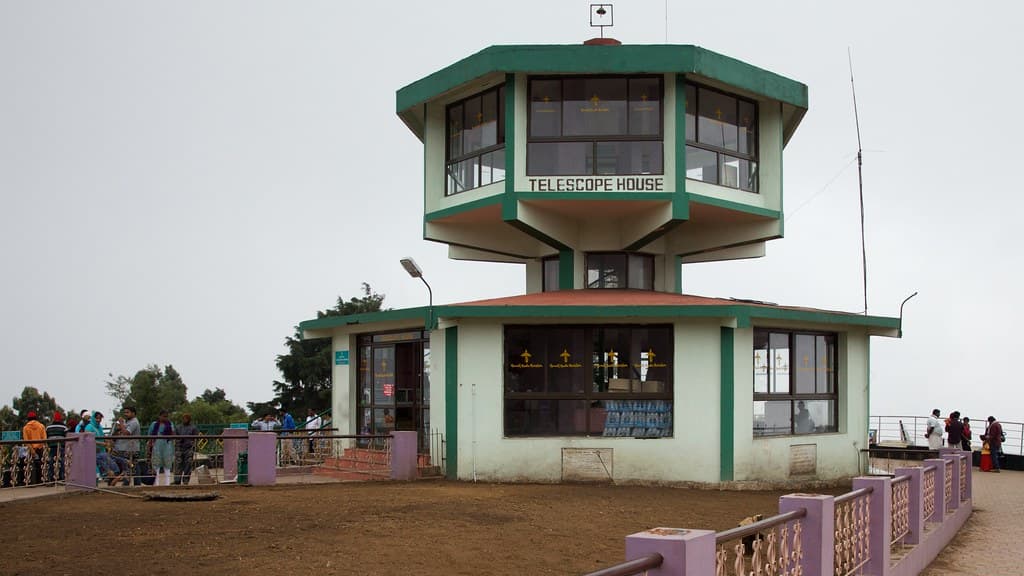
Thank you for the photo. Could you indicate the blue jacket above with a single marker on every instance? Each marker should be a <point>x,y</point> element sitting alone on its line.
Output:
<point>288,423</point>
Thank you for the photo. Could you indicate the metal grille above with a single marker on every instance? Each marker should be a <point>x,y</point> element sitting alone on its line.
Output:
<point>900,508</point>
<point>963,478</point>
<point>852,531</point>
<point>948,488</point>
<point>928,486</point>
<point>771,547</point>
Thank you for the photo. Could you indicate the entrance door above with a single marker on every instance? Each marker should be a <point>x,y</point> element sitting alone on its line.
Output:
<point>408,385</point>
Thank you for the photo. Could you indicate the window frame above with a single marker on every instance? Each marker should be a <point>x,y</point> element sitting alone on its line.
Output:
<point>720,152</point>
<point>792,396</point>
<point>628,270</point>
<point>594,140</point>
<point>451,160</point>
<point>588,396</point>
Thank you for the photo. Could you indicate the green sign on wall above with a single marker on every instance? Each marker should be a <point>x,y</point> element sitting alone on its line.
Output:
<point>341,358</point>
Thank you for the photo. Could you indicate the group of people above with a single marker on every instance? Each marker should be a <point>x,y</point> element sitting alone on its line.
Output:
<point>285,423</point>
<point>959,435</point>
<point>120,455</point>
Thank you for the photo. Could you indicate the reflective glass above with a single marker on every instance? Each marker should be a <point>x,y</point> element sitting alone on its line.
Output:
<point>545,417</point>
<point>565,360</point>
<point>559,158</point>
<point>815,417</point>
<point>761,362</point>
<point>701,165</point>
<point>651,359</point>
<point>778,356</point>
<point>826,349</point>
<point>524,360</point>
<point>384,375</point>
<point>594,106</point>
<point>606,270</point>
<point>805,371</point>
<point>641,272</point>
<point>611,359</point>
<point>545,108</point>
<point>691,118</point>
<point>463,175</point>
<point>773,417</point>
<point>550,281</point>
<point>645,106</point>
<point>747,128</point>
<point>717,119</point>
<point>489,119</point>
<point>472,134</point>
<point>492,167</point>
<point>455,131</point>
<point>643,157</point>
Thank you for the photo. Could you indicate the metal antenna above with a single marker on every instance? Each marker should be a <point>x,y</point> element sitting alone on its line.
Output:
<point>860,183</point>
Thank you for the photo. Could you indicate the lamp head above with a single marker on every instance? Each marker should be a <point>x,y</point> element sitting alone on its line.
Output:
<point>410,266</point>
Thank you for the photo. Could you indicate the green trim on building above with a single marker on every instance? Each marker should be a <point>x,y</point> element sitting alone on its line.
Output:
<point>579,59</point>
<point>510,132</point>
<point>727,406</point>
<point>418,313</point>
<point>566,269</point>
<point>549,240</point>
<point>464,207</point>
<point>451,401</point>
<point>681,202</point>
<point>737,206</point>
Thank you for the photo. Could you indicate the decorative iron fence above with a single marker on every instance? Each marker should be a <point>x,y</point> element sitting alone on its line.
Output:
<point>963,479</point>
<point>852,531</point>
<point>34,463</point>
<point>900,509</point>
<point>928,487</point>
<point>773,546</point>
<point>948,488</point>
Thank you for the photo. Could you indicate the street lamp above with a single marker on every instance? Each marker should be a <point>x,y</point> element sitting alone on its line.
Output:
<point>414,270</point>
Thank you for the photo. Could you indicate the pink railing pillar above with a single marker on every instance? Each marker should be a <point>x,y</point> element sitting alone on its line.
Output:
<point>818,532</point>
<point>940,491</point>
<point>82,475</point>
<point>880,523</point>
<point>916,504</point>
<point>235,442</point>
<point>262,458</point>
<point>970,473</point>
<point>403,455</point>
<point>954,501</point>
<point>684,552</point>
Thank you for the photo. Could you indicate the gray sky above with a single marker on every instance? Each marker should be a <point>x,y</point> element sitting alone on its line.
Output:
<point>183,182</point>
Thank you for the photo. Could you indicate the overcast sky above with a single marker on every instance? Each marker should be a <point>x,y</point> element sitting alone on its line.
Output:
<point>183,182</point>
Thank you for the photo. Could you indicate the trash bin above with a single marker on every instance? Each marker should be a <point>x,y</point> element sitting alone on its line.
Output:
<point>243,468</point>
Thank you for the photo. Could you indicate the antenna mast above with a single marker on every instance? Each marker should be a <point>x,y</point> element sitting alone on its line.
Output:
<point>860,184</point>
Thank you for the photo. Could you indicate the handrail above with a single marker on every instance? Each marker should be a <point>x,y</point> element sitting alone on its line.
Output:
<point>106,438</point>
<point>904,478</point>
<point>854,494</point>
<point>751,529</point>
<point>631,567</point>
<point>928,467</point>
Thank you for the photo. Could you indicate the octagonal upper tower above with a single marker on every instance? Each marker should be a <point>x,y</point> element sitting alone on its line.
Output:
<point>602,166</point>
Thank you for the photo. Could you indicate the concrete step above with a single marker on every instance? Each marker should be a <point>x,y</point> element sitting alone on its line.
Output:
<point>360,475</point>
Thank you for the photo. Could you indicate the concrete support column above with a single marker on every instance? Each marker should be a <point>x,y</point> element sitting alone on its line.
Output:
<point>940,494</point>
<point>403,455</point>
<point>236,441</point>
<point>83,462</point>
<point>819,528</point>
<point>970,473</point>
<point>916,506</point>
<point>684,552</point>
<point>954,501</point>
<point>880,523</point>
<point>263,458</point>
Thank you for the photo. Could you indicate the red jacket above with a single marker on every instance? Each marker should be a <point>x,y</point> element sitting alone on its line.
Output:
<point>994,435</point>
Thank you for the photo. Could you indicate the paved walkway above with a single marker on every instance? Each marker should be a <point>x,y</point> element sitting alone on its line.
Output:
<point>989,544</point>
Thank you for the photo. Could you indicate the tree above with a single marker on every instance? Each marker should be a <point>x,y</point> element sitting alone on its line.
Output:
<point>213,407</point>
<point>306,367</point>
<point>150,391</point>
<point>32,401</point>
<point>8,419</point>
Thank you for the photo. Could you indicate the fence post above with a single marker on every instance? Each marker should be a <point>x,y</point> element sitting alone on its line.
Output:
<point>916,505</point>
<point>684,552</point>
<point>970,473</point>
<point>940,492</point>
<point>263,458</point>
<point>235,442</point>
<point>879,523</point>
<point>818,532</point>
<point>403,455</point>
<point>954,501</point>
<point>83,463</point>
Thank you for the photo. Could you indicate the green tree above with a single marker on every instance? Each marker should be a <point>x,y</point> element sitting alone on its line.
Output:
<point>306,367</point>
<point>32,401</point>
<point>8,419</point>
<point>213,407</point>
<point>150,390</point>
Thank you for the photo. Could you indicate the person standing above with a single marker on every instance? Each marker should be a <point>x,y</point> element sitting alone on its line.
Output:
<point>934,431</point>
<point>186,450</point>
<point>161,450</point>
<point>313,425</point>
<point>34,430</point>
<point>994,436</point>
<point>57,429</point>
<point>84,419</point>
<point>965,443</point>
<point>266,424</point>
<point>954,430</point>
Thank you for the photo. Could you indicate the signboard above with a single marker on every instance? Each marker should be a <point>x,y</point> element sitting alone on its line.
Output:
<point>597,184</point>
<point>803,459</point>
<point>341,358</point>
<point>239,425</point>
<point>389,389</point>
<point>586,464</point>
<point>12,435</point>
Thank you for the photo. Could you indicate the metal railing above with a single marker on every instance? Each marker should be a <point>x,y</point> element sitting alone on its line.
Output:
<point>963,477</point>
<point>911,429</point>
<point>928,487</point>
<point>631,567</point>
<point>852,531</point>
<point>900,513</point>
<point>948,488</point>
<point>774,547</point>
<point>35,463</point>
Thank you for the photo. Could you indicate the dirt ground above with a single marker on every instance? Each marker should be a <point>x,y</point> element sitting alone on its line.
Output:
<point>423,528</point>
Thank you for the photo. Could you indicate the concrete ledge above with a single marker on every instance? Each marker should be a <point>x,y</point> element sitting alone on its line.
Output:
<point>935,538</point>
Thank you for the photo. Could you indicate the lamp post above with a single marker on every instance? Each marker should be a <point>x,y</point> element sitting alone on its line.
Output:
<point>416,272</point>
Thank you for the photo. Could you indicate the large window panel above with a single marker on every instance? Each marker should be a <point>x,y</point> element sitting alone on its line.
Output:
<point>701,165</point>
<point>717,124</point>
<point>546,108</point>
<point>550,280</point>
<point>644,106</point>
<point>475,141</point>
<point>566,351</point>
<point>594,107</point>
<point>525,360</point>
<point>721,138</point>
<point>795,377</point>
<point>560,158</point>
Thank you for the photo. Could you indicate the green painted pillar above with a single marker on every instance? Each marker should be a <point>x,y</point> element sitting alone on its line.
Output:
<point>727,405</point>
<point>451,401</point>
<point>566,269</point>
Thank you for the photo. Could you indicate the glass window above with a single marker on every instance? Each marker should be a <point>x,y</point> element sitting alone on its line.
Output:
<point>476,141</point>
<point>524,360</point>
<point>721,137</point>
<point>578,126</point>
<point>641,272</point>
<point>597,380</point>
<point>620,270</point>
<point>794,383</point>
<point>550,281</point>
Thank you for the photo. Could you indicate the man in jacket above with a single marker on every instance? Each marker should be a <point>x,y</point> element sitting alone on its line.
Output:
<point>186,449</point>
<point>56,430</point>
<point>34,430</point>
<point>994,437</point>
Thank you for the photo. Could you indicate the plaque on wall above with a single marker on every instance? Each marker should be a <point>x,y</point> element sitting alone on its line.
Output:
<point>587,464</point>
<point>803,459</point>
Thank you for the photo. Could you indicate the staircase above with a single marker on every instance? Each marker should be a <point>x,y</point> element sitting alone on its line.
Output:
<point>365,464</point>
